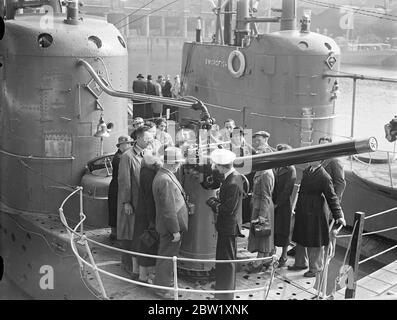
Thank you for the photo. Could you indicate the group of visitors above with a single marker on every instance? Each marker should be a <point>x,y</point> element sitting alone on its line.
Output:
<point>162,87</point>
<point>271,209</point>
<point>148,207</point>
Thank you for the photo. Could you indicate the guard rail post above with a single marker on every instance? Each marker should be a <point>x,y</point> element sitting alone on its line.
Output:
<point>175,267</point>
<point>81,211</point>
<point>355,252</point>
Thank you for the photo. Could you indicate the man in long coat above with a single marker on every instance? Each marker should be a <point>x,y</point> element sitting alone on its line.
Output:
<point>171,216</point>
<point>124,143</point>
<point>128,192</point>
<point>139,86</point>
<point>311,218</point>
<point>285,178</point>
<point>228,210</point>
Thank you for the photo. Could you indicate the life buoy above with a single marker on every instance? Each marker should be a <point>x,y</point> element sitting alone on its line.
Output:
<point>236,73</point>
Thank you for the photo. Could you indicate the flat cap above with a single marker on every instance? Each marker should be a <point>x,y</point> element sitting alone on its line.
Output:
<point>222,156</point>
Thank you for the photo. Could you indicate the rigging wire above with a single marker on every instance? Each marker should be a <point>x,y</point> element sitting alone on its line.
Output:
<point>333,6</point>
<point>151,12</point>
<point>135,11</point>
<point>348,8</point>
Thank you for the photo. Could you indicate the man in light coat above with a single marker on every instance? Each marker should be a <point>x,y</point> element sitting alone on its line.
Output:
<point>171,216</point>
<point>127,200</point>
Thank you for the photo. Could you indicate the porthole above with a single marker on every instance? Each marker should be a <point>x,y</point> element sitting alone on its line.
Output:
<point>45,40</point>
<point>328,46</point>
<point>95,40</point>
<point>121,41</point>
<point>303,45</point>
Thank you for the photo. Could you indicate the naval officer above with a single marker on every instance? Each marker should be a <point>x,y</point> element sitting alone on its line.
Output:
<point>228,210</point>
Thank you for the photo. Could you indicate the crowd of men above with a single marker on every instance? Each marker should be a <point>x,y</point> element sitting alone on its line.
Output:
<point>148,207</point>
<point>162,87</point>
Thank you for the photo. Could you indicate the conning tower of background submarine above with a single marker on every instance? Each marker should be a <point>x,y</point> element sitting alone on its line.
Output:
<point>55,84</point>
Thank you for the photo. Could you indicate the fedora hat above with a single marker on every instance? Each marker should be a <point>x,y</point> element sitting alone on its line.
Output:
<point>124,139</point>
<point>140,76</point>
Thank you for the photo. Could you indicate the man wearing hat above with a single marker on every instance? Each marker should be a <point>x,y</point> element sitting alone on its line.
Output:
<point>139,86</point>
<point>124,143</point>
<point>128,192</point>
<point>171,216</point>
<point>228,210</point>
<point>150,89</point>
<point>259,142</point>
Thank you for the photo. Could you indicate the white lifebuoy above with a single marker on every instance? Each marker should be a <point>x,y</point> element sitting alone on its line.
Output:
<point>236,73</point>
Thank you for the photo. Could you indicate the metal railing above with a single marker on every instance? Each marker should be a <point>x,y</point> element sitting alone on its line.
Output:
<point>354,248</point>
<point>82,239</point>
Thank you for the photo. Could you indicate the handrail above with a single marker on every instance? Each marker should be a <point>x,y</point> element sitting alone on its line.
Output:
<point>83,239</point>
<point>34,157</point>
<point>381,213</point>
<point>129,95</point>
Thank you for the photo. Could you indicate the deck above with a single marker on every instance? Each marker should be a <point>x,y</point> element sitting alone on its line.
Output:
<point>287,285</point>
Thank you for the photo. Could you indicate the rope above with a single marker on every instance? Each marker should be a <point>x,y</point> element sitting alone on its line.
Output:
<point>45,176</point>
<point>369,13</point>
<point>135,11</point>
<point>295,284</point>
<point>378,254</point>
<point>41,236</point>
<point>151,12</point>
<point>380,213</point>
<point>271,279</point>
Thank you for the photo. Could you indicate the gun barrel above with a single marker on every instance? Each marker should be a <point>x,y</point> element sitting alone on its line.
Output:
<point>308,154</point>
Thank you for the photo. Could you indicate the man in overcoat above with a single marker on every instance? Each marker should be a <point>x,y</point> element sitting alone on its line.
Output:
<point>171,216</point>
<point>228,210</point>
<point>128,180</point>
<point>124,143</point>
<point>285,178</point>
<point>139,86</point>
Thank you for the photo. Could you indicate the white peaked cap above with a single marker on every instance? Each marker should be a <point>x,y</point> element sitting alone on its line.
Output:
<point>222,156</point>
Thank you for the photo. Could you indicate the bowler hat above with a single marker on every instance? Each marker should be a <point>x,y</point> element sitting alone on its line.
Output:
<point>140,76</point>
<point>124,139</point>
<point>222,156</point>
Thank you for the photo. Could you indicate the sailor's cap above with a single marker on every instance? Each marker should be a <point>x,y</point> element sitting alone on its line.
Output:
<point>222,156</point>
<point>264,134</point>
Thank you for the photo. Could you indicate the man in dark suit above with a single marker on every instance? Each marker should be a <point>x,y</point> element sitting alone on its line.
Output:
<point>227,209</point>
<point>151,90</point>
<point>139,86</point>
<point>171,216</point>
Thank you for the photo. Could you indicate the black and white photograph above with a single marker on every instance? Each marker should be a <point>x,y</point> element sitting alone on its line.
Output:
<point>213,152</point>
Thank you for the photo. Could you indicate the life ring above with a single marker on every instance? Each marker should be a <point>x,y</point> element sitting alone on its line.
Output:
<point>236,73</point>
